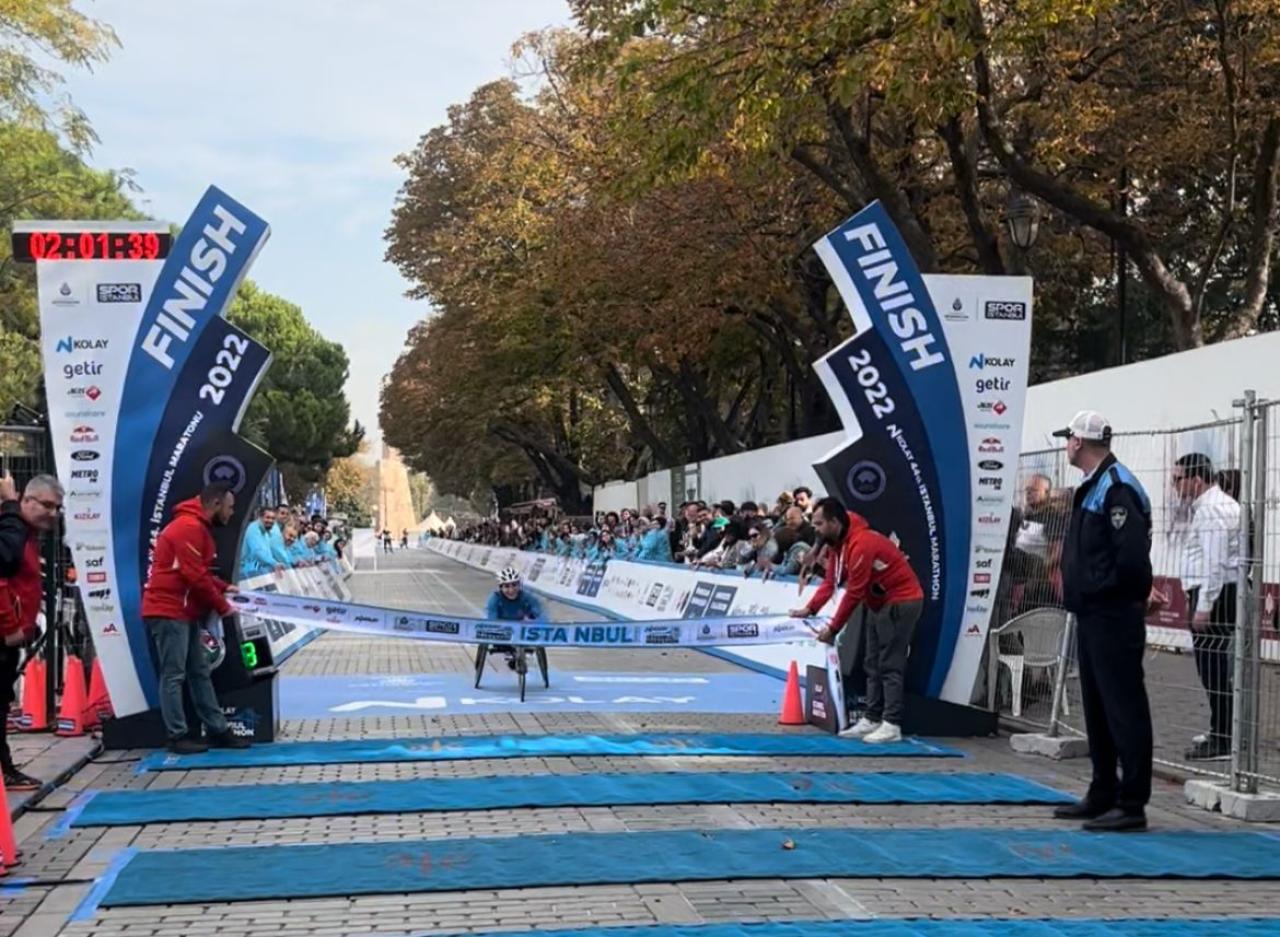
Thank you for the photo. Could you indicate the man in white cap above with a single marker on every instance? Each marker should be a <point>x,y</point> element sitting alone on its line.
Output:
<point>1106,580</point>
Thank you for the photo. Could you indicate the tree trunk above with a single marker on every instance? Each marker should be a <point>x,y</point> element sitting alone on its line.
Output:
<point>640,425</point>
<point>1172,292</point>
<point>985,241</point>
<point>692,384</point>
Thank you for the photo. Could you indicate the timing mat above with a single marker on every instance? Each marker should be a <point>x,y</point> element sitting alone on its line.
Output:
<point>263,801</point>
<point>463,747</point>
<point>185,876</point>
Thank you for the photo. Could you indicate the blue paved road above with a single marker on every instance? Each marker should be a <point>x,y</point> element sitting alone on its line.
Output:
<point>448,694</point>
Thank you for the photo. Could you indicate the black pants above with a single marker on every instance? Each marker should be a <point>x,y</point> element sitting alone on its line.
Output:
<point>1117,715</point>
<point>888,640</point>
<point>1215,661</point>
<point>10,658</point>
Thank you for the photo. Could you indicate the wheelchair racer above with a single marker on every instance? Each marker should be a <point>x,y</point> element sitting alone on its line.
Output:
<point>511,603</point>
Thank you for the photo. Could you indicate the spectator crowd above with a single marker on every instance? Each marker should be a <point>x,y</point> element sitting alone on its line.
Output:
<point>754,539</point>
<point>284,538</point>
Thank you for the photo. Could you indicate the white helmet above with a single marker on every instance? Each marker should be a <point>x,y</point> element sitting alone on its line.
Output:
<point>508,576</point>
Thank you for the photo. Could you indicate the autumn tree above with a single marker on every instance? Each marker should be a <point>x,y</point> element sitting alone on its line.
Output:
<point>1150,127</point>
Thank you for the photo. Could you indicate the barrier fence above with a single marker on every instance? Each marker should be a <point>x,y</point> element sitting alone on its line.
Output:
<point>1214,685</point>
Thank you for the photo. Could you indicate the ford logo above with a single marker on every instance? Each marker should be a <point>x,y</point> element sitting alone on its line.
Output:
<point>84,455</point>
<point>990,465</point>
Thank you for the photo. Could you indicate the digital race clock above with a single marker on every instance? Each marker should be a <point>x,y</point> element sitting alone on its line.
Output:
<point>33,245</point>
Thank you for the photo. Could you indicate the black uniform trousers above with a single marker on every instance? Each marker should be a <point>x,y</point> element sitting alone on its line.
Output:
<point>1215,660</point>
<point>10,661</point>
<point>1117,715</point>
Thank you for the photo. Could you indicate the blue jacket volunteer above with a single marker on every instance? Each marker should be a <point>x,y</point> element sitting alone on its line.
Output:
<point>1106,582</point>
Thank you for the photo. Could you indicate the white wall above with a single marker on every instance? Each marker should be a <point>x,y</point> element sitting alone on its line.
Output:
<point>1179,390</point>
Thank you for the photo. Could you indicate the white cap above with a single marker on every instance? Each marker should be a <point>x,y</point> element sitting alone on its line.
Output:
<point>1087,424</point>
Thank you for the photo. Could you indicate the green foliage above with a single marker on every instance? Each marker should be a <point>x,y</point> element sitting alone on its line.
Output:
<point>300,413</point>
<point>31,33</point>
<point>39,178</point>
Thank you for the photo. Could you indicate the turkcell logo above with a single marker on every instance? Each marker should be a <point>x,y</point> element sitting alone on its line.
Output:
<point>70,344</point>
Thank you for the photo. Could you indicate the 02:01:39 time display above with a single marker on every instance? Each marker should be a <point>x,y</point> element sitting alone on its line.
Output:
<point>90,245</point>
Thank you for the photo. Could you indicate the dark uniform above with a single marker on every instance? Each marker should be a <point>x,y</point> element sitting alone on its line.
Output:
<point>1106,580</point>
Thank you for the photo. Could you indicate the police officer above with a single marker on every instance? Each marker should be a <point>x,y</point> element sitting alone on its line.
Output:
<point>1106,580</point>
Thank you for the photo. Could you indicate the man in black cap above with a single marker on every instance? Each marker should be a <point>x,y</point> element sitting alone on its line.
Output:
<point>1106,580</point>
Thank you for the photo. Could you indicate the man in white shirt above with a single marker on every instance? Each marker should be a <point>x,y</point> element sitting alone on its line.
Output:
<point>1210,560</point>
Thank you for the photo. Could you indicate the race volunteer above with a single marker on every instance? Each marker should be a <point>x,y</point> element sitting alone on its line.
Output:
<point>257,555</point>
<point>180,594</point>
<point>21,593</point>
<point>1106,581</point>
<point>509,602</point>
<point>873,570</point>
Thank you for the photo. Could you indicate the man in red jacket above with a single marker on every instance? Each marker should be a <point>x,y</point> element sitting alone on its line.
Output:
<point>180,594</point>
<point>21,592</point>
<point>872,570</point>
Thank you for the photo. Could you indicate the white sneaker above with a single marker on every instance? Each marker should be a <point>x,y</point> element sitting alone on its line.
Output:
<point>885,732</point>
<point>860,729</point>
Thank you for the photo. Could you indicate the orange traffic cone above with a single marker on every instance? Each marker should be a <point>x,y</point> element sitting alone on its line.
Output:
<point>8,843</point>
<point>71,712</point>
<point>98,706</point>
<point>35,714</point>
<point>792,707</point>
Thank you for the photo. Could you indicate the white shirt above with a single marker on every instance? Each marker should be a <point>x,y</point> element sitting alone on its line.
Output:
<point>1032,538</point>
<point>1211,550</point>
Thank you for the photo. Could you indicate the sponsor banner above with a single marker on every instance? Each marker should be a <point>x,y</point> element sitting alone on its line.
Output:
<point>649,592</point>
<point>188,378</point>
<point>196,442</point>
<point>323,583</point>
<point>931,391</point>
<point>367,619</point>
<point>89,313</point>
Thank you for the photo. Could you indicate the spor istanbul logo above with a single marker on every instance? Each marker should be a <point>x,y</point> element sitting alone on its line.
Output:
<point>119,292</point>
<point>866,480</point>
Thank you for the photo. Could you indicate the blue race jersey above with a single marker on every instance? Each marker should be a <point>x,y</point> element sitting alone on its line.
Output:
<point>523,607</point>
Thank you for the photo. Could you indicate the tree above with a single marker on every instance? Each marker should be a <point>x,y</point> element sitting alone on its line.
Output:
<point>300,412</point>
<point>349,485</point>
<point>1148,127</point>
<point>33,32</point>
<point>40,178</point>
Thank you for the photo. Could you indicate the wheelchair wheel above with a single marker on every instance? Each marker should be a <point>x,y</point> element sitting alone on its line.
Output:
<point>522,670</point>
<point>542,665</point>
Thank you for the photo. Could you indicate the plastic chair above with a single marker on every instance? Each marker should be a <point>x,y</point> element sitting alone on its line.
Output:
<point>1041,632</point>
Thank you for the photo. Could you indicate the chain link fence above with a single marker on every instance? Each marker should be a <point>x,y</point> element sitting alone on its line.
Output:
<point>1213,652</point>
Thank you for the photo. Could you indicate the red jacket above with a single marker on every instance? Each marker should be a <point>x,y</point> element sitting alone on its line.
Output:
<point>872,569</point>
<point>22,593</point>
<point>182,584</point>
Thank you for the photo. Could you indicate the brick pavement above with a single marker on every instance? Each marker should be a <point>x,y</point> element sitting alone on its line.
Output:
<point>41,911</point>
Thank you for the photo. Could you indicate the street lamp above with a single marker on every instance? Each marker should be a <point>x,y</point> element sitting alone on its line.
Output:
<point>1022,217</point>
